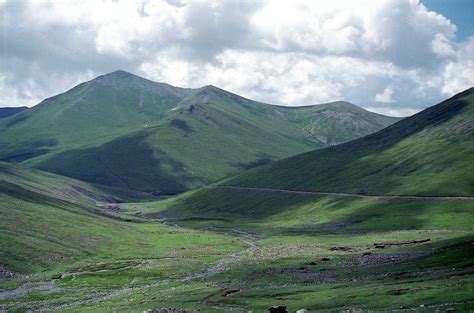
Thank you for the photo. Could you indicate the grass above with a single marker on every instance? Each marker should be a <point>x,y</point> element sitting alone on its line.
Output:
<point>321,253</point>
<point>104,263</point>
<point>275,213</point>
<point>433,281</point>
<point>134,135</point>
<point>427,154</point>
<point>47,229</point>
<point>298,261</point>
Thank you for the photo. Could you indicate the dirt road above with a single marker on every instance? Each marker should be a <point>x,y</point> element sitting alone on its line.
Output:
<point>345,194</point>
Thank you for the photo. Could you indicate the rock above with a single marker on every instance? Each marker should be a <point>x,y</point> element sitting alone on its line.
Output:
<point>278,309</point>
<point>340,248</point>
<point>167,310</point>
<point>191,109</point>
<point>302,311</point>
<point>397,292</point>
<point>230,292</point>
<point>401,243</point>
<point>6,274</point>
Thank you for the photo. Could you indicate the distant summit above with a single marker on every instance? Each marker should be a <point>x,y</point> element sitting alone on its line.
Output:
<point>9,111</point>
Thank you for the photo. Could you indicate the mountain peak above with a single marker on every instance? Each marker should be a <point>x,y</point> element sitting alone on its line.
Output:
<point>118,77</point>
<point>121,79</point>
<point>119,74</point>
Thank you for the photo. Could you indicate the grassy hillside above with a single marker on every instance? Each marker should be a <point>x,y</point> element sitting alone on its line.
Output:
<point>62,241</point>
<point>429,153</point>
<point>90,113</point>
<point>125,132</point>
<point>83,252</point>
<point>318,252</point>
<point>343,252</point>
<point>48,220</point>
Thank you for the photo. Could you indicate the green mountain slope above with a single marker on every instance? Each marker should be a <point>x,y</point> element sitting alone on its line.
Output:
<point>380,253</point>
<point>430,153</point>
<point>47,220</point>
<point>131,134</point>
<point>88,114</point>
<point>84,253</point>
<point>44,216</point>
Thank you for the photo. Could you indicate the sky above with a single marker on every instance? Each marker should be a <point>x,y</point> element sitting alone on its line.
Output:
<point>394,57</point>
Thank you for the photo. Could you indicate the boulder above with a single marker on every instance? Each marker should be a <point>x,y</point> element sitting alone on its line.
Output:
<point>277,309</point>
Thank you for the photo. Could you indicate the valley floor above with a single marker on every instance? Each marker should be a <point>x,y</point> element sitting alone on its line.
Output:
<point>213,264</point>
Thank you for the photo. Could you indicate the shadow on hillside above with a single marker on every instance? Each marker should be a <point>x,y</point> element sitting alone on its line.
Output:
<point>430,117</point>
<point>127,163</point>
<point>262,160</point>
<point>302,214</point>
<point>369,165</point>
<point>30,149</point>
<point>21,193</point>
<point>366,216</point>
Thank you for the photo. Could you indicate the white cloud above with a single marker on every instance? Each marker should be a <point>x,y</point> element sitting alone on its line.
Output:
<point>442,47</point>
<point>386,96</point>
<point>399,112</point>
<point>379,54</point>
<point>458,75</point>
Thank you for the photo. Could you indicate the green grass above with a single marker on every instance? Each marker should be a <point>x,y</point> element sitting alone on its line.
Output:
<point>321,253</point>
<point>307,245</point>
<point>275,213</point>
<point>429,153</point>
<point>134,135</point>
<point>48,228</point>
<point>51,232</point>
<point>441,279</point>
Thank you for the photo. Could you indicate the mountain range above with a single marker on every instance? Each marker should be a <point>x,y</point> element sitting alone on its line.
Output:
<point>429,155</point>
<point>135,136</point>
<point>381,222</point>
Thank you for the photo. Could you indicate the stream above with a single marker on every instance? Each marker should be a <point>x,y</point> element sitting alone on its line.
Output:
<point>50,286</point>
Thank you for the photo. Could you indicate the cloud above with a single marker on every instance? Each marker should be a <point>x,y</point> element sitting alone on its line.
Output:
<point>390,55</point>
<point>386,96</point>
<point>458,74</point>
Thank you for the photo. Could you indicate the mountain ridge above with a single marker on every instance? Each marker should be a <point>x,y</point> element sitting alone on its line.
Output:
<point>9,111</point>
<point>449,124</point>
<point>125,131</point>
<point>416,173</point>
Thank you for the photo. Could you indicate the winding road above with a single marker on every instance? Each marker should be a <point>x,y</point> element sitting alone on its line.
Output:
<point>345,194</point>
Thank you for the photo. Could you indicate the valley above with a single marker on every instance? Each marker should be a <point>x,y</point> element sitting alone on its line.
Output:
<point>232,156</point>
<point>379,223</point>
<point>300,263</point>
